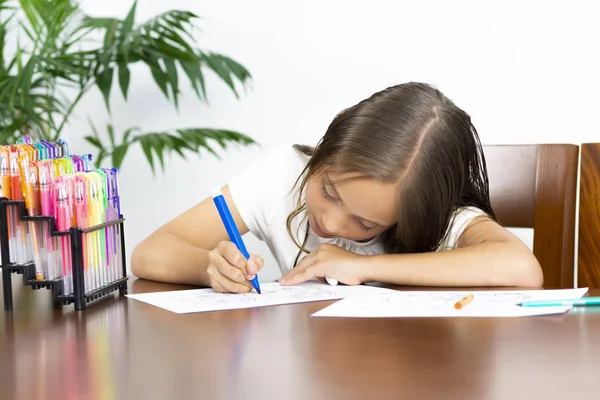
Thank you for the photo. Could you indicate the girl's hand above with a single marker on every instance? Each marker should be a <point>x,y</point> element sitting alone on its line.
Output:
<point>328,260</point>
<point>229,271</point>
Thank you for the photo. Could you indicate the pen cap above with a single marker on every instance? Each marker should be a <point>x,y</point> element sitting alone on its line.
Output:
<point>81,215</point>
<point>64,147</point>
<point>45,181</point>
<point>115,191</point>
<point>42,151</point>
<point>35,184</point>
<point>62,206</point>
<point>70,181</point>
<point>26,184</point>
<point>78,164</point>
<point>34,152</point>
<point>45,149</point>
<point>55,149</point>
<point>89,165</point>
<point>5,173</point>
<point>98,210</point>
<point>102,180</point>
<point>66,166</point>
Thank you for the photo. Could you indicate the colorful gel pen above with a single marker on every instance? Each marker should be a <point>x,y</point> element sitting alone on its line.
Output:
<point>6,192</point>
<point>27,184</point>
<point>232,231</point>
<point>62,215</point>
<point>81,217</point>
<point>115,207</point>
<point>47,210</point>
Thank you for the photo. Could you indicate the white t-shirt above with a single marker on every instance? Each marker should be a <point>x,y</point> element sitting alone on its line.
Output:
<point>263,195</point>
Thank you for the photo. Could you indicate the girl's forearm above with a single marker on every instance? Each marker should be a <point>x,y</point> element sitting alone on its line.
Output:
<point>487,264</point>
<point>165,257</point>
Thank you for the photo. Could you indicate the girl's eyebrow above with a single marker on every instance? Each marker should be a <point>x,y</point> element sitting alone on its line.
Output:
<point>337,195</point>
<point>330,183</point>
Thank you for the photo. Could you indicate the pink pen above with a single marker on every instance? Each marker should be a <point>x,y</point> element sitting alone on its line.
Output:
<point>62,207</point>
<point>47,209</point>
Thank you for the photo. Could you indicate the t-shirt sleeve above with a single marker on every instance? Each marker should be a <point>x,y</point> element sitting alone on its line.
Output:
<point>461,219</point>
<point>262,185</point>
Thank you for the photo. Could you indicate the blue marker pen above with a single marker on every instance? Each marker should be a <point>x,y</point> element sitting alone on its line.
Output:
<point>232,231</point>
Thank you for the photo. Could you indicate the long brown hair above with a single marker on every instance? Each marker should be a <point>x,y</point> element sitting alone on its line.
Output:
<point>413,135</point>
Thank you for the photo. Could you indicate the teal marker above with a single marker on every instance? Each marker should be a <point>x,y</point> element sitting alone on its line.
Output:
<point>584,301</point>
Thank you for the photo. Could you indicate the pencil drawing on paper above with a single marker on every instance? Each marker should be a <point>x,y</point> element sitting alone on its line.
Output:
<point>449,298</point>
<point>219,299</point>
<point>301,292</point>
<point>286,293</point>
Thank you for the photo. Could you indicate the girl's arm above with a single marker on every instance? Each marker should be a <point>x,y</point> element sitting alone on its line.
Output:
<point>178,251</point>
<point>487,255</point>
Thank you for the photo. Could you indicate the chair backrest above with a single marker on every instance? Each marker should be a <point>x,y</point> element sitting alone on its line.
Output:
<point>588,256</point>
<point>534,186</point>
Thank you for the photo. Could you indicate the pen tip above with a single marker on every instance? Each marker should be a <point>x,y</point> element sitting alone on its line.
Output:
<point>258,290</point>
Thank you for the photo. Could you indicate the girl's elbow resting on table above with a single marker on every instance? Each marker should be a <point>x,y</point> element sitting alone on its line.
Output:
<point>529,272</point>
<point>513,264</point>
<point>138,261</point>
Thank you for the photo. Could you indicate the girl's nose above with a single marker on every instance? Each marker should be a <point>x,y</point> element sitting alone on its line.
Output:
<point>333,222</point>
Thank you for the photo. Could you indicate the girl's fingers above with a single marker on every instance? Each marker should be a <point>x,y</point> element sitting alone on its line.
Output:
<point>230,252</point>
<point>226,285</point>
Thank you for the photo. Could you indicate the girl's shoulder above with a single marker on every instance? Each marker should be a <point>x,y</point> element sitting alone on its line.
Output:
<point>459,221</point>
<point>267,183</point>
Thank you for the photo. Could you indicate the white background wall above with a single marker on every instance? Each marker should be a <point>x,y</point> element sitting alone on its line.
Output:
<point>526,71</point>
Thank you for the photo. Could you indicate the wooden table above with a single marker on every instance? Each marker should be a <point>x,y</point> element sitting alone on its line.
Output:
<point>124,349</point>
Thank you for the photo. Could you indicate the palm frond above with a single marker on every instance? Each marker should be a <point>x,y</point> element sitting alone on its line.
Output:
<point>157,145</point>
<point>33,82</point>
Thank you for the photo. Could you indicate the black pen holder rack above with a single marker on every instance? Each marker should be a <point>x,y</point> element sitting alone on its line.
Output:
<point>80,292</point>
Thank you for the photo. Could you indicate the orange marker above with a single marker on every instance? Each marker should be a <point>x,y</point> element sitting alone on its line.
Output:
<point>464,301</point>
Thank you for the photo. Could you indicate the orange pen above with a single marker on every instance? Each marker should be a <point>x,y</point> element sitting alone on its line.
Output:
<point>5,181</point>
<point>5,172</point>
<point>464,301</point>
<point>28,175</point>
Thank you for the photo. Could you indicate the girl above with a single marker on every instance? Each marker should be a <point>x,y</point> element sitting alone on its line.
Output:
<point>396,191</point>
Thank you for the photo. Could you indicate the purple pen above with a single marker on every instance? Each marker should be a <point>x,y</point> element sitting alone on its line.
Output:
<point>115,206</point>
<point>51,151</point>
<point>78,163</point>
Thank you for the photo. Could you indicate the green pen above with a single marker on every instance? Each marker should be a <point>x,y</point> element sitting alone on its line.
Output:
<point>584,301</point>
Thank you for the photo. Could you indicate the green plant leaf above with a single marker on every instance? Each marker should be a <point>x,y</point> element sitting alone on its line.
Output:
<point>128,133</point>
<point>124,77</point>
<point>94,141</point>
<point>111,134</point>
<point>218,65</point>
<point>159,76</point>
<point>128,22</point>
<point>194,73</point>
<point>147,148</point>
<point>157,145</point>
<point>171,73</point>
<point>118,155</point>
<point>104,83</point>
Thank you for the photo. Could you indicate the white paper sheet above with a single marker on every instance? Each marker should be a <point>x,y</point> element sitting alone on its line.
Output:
<point>441,304</point>
<point>202,300</point>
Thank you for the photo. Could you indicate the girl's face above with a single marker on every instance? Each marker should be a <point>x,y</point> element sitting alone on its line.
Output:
<point>355,209</point>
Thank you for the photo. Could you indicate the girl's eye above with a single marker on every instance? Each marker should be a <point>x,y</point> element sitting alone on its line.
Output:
<point>363,226</point>
<point>327,195</point>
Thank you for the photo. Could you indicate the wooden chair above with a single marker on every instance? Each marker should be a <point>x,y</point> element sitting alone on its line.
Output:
<point>588,257</point>
<point>534,186</point>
